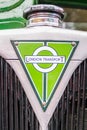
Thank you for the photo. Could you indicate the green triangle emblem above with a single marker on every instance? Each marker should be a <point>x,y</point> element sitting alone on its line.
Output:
<point>44,63</point>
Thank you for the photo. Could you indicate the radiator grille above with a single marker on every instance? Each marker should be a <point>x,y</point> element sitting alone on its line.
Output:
<point>71,112</point>
<point>16,112</point>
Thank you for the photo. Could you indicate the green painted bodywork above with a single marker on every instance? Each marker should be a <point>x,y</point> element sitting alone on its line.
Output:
<point>11,23</point>
<point>11,13</point>
<point>66,3</point>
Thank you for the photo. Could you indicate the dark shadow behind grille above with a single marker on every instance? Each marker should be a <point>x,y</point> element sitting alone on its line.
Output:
<point>16,112</point>
<point>71,112</point>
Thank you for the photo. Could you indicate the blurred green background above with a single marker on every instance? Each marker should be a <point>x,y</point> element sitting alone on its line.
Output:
<point>11,13</point>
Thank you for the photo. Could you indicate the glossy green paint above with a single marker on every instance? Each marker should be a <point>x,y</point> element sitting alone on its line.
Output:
<point>28,48</point>
<point>44,83</point>
<point>66,3</point>
<point>11,23</point>
<point>11,13</point>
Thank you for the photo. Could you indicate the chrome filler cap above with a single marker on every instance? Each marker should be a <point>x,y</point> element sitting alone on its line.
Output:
<point>44,14</point>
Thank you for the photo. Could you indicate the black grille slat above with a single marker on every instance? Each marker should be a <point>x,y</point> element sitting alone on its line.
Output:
<point>21,108</point>
<point>67,111</point>
<point>10,99</point>
<point>78,98</point>
<point>16,112</point>
<point>15,104</point>
<point>83,100</point>
<point>73,102</point>
<point>72,107</point>
<point>26,115</point>
<point>5,100</point>
<point>62,113</point>
<point>2,89</point>
<point>83,95</point>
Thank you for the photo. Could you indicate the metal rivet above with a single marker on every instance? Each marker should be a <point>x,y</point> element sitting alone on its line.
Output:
<point>16,43</point>
<point>73,43</point>
<point>44,103</point>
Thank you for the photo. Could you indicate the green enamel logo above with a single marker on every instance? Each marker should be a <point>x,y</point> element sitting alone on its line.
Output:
<point>44,63</point>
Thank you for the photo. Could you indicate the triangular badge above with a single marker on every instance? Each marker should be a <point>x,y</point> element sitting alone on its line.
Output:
<point>44,63</point>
